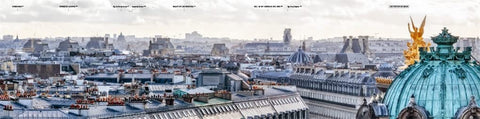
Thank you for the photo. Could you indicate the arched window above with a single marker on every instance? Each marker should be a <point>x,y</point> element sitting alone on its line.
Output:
<point>365,112</point>
<point>471,111</point>
<point>412,111</point>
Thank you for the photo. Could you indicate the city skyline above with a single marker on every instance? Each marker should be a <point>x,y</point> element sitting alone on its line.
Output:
<point>237,19</point>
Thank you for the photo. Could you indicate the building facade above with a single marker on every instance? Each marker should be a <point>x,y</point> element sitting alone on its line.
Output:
<point>159,47</point>
<point>441,85</point>
<point>219,50</point>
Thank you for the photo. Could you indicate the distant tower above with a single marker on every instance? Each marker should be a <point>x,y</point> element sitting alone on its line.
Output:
<point>106,42</point>
<point>474,47</point>
<point>121,38</point>
<point>16,39</point>
<point>287,37</point>
<point>356,45</point>
<point>268,47</point>
<point>347,44</point>
<point>304,46</point>
<point>365,48</point>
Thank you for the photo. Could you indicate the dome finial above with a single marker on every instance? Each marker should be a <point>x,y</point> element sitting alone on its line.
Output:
<point>472,101</point>
<point>379,98</point>
<point>445,38</point>
<point>373,99</point>
<point>364,101</point>
<point>412,101</point>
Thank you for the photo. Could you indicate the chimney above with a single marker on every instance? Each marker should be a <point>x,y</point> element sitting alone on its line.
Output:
<point>106,42</point>
<point>347,44</point>
<point>304,47</point>
<point>202,98</point>
<point>223,94</point>
<point>366,49</point>
<point>154,75</point>
<point>188,98</point>
<point>31,43</point>
<point>120,75</point>
<point>169,100</point>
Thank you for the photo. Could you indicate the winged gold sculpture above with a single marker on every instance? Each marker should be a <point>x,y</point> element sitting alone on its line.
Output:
<point>412,54</point>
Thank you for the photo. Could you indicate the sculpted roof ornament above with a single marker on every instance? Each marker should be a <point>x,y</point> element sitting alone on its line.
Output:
<point>449,68</point>
<point>444,50</point>
<point>471,111</point>
<point>445,38</point>
<point>472,102</point>
<point>412,101</point>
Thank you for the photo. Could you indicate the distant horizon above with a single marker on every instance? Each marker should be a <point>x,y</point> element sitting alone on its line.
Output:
<point>258,39</point>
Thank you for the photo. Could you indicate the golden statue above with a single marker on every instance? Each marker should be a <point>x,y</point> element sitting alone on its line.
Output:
<point>412,54</point>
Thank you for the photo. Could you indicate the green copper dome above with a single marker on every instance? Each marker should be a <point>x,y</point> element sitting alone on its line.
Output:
<point>441,83</point>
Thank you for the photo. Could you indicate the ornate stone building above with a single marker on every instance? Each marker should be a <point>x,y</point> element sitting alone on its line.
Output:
<point>299,57</point>
<point>68,46</point>
<point>159,47</point>
<point>329,93</point>
<point>35,46</point>
<point>99,43</point>
<point>219,50</point>
<point>443,84</point>
<point>287,36</point>
<point>121,38</point>
<point>270,47</point>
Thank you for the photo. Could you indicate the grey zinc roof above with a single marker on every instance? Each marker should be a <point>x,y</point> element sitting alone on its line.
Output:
<point>254,106</point>
<point>197,90</point>
<point>154,87</point>
<point>43,114</point>
<point>166,75</point>
<point>255,45</point>
<point>327,56</point>
<point>380,110</point>
<point>29,43</point>
<point>358,78</point>
<point>299,57</point>
<point>351,58</point>
<point>275,74</point>
<point>95,43</point>
<point>234,77</point>
<point>66,44</point>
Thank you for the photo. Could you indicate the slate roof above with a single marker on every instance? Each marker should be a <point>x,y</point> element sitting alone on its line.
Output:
<point>299,57</point>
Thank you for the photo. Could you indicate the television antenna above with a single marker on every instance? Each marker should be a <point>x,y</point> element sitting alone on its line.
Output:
<point>16,5</point>
<point>68,4</point>
<point>185,4</point>
<point>128,5</point>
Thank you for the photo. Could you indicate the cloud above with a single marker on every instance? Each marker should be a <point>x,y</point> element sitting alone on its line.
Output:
<point>238,18</point>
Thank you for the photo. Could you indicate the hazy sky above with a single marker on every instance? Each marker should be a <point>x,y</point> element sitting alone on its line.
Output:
<point>238,18</point>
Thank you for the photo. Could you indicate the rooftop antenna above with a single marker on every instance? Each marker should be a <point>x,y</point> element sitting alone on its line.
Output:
<point>291,5</point>
<point>16,6</point>
<point>184,5</point>
<point>128,6</point>
<point>68,4</point>
<point>119,5</point>
<point>137,4</point>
